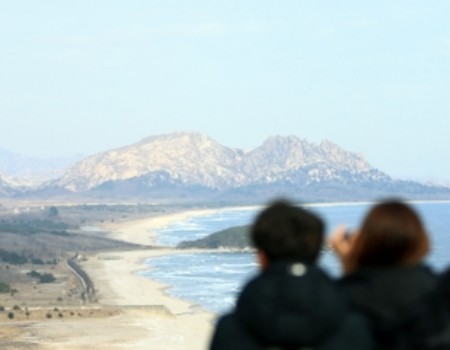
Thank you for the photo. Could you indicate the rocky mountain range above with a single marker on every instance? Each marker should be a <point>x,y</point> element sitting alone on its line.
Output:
<point>195,159</point>
<point>183,166</point>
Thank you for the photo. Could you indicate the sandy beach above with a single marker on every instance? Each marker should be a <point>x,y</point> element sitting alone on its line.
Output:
<point>143,231</point>
<point>136,313</point>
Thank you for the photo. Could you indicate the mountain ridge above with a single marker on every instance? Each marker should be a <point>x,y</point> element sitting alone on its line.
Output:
<point>198,159</point>
<point>193,166</point>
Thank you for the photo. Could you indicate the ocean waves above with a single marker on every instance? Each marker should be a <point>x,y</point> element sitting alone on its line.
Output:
<point>213,279</point>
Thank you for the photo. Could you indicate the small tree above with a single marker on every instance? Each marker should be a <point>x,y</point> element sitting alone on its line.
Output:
<point>4,287</point>
<point>34,274</point>
<point>47,278</point>
<point>53,212</point>
<point>11,315</point>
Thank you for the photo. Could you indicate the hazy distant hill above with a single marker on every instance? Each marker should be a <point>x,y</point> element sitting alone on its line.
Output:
<point>237,237</point>
<point>194,167</point>
<point>34,170</point>
<point>231,238</point>
<point>7,187</point>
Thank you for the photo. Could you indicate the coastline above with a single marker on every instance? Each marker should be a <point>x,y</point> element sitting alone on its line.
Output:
<point>171,323</point>
<point>168,322</point>
<point>141,231</point>
<point>132,311</point>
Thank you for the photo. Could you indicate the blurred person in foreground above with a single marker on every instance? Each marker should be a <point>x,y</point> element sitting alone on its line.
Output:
<point>291,303</point>
<point>387,280</point>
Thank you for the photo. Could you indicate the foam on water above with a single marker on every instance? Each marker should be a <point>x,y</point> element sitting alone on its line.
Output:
<point>213,280</point>
<point>209,279</point>
<point>199,227</point>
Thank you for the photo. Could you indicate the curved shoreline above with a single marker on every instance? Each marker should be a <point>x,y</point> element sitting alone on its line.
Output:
<point>133,310</point>
<point>130,310</point>
<point>118,283</point>
<point>142,231</point>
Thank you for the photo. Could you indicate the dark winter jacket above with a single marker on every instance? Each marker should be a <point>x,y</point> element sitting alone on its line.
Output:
<point>291,306</point>
<point>399,302</point>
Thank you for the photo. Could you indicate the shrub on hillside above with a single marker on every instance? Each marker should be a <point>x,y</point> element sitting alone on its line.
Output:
<point>43,278</point>
<point>47,278</point>
<point>4,287</point>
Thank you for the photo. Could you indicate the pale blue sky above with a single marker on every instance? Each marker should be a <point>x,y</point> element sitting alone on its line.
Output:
<point>86,76</point>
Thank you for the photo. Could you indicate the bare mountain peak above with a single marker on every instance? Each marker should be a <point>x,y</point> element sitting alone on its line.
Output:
<point>197,159</point>
<point>327,144</point>
<point>187,137</point>
<point>190,157</point>
<point>343,158</point>
<point>286,146</point>
<point>283,140</point>
<point>185,164</point>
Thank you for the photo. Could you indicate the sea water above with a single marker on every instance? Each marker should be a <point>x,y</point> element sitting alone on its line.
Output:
<point>214,279</point>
